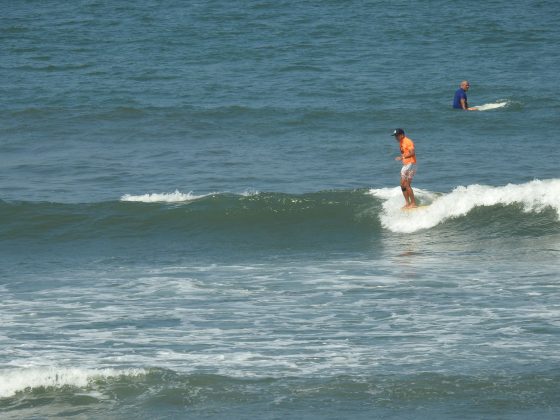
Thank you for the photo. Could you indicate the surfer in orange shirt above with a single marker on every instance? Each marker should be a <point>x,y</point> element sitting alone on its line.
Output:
<point>408,159</point>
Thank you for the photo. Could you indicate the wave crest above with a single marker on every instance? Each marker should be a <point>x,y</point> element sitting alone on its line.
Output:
<point>13,381</point>
<point>534,196</point>
<point>174,197</point>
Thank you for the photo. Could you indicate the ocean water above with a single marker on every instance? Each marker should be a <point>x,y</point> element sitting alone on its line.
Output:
<point>200,212</point>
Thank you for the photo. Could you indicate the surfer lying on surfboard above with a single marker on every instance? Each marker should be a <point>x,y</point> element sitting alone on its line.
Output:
<point>408,159</point>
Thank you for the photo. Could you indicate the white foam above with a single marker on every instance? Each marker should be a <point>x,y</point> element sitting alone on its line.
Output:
<point>534,196</point>
<point>250,193</point>
<point>21,379</point>
<point>174,197</point>
<point>492,105</point>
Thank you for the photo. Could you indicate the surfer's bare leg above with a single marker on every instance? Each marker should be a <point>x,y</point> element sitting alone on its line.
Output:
<point>408,193</point>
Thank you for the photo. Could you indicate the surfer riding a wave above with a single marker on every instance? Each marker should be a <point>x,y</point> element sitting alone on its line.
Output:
<point>408,159</point>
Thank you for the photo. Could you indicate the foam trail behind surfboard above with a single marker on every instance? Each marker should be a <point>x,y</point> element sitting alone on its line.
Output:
<point>534,196</point>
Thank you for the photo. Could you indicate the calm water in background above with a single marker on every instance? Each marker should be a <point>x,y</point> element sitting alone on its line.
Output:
<point>200,215</point>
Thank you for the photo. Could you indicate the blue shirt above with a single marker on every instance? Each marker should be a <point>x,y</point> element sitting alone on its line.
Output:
<point>460,94</point>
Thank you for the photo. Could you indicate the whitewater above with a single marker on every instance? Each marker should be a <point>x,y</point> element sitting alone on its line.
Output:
<point>534,196</point>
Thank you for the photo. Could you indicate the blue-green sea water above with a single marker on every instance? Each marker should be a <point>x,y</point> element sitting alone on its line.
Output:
<point>200,210</point>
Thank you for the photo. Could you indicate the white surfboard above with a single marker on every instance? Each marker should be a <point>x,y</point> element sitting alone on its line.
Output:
<point>493,105</point>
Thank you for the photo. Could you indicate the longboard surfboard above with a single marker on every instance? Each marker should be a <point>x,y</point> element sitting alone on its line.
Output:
<point>487,107</point>
<point>420,207</point>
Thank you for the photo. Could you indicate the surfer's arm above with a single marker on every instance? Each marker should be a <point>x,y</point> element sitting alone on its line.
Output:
<point>409,153</point>
<point>466,107</point>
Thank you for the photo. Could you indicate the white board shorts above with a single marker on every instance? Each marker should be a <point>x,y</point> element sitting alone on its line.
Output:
<point>408,171</point>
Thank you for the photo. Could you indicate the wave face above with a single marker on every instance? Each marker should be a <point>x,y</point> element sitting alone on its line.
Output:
<point>270,218</point>
<point>210,223</point>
